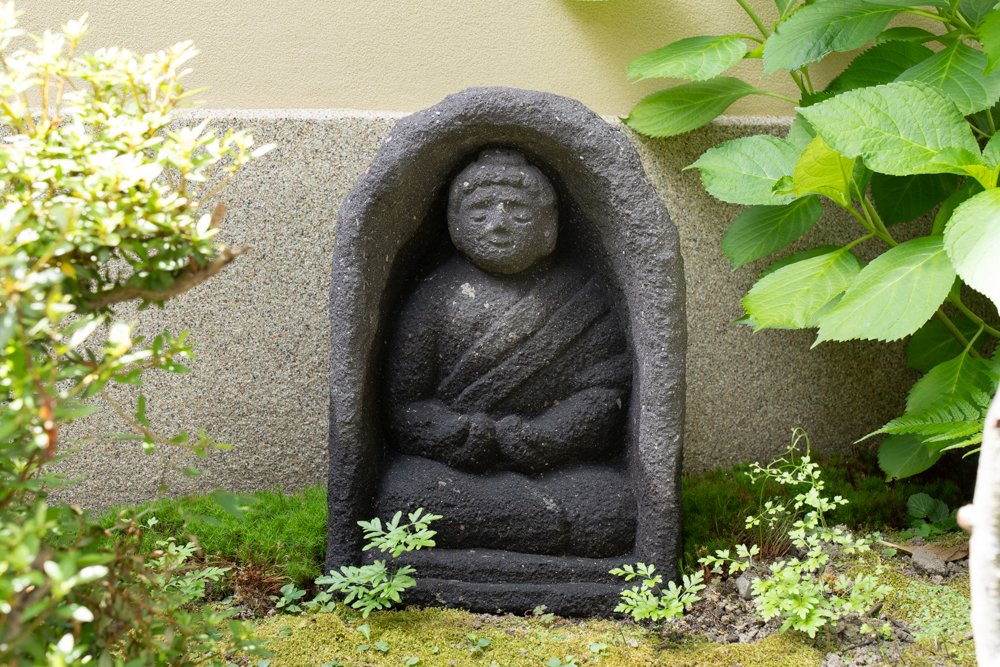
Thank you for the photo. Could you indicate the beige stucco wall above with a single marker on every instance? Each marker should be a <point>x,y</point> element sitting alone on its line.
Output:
<point>404,55</point>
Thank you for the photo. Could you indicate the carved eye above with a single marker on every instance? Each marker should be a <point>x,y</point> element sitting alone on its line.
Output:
<point>520,215</point>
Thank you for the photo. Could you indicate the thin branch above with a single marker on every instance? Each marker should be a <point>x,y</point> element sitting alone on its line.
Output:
<point>217,189</point>
<point>190,278</point>
<point>753,17</point>
<point>957,333</point>
<point>957,300</point>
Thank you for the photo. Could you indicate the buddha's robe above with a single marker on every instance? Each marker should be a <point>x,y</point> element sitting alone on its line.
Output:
<point>505,400</point>
<point>522,372</point>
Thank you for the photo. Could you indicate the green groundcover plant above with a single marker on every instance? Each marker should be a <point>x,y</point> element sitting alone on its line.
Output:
<point>377,585</point>
<point>650,599</point>
<point>907,128</point>
<point>369,587</point>
<point>102,203</point>
<point>799,590</point>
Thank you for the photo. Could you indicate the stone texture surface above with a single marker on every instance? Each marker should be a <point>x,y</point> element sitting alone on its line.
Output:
<point>615,271</point>
<point>261,328</point>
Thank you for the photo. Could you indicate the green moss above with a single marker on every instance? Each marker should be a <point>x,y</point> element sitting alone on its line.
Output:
<point>442,637</point>
<point>938,614</point>
<point>286,531</point>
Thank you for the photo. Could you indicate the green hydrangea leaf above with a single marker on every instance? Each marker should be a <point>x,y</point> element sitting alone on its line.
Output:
<point>902,456</point>
<point>958,71</point>
<point>686,107</point>
<point>905,34</point>
<point>815,30</point>
<point>933,343</point>
<point>989,37</point>
<point>894,295</point>
<point>898,129</point>
<point>784,6</point>
<point>976,11</point>
<point>762,230</point>
<point>823,171</point>
<point>972,240</point>
<point>949,424</point>
<point>794,296</point>
<point>960,161</point>
<point>878,65</point>
<point>746,170</point>
<point>956,378</point>
<point>694,58</point>
<point>991,152</point>
<point>903,198</point>
<point>966,191</point>
<point>798,257</point>
<point>800,133</point>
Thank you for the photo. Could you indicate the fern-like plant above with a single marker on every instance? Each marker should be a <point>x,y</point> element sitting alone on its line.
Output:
<point>951,425</point>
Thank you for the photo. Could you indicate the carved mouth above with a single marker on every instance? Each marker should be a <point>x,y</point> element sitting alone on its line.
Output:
<point>502,243</point>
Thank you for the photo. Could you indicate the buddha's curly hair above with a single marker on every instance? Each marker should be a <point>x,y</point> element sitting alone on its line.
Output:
<point>500,166</point>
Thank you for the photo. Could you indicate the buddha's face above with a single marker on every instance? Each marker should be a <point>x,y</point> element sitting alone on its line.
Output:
<point>503,228</point>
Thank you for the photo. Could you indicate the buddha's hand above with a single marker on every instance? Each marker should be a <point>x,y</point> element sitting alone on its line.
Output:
<point>511,432</point>
<point>480,448</point>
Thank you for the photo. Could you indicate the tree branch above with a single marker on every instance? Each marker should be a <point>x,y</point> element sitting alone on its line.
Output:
<point>188,279</point>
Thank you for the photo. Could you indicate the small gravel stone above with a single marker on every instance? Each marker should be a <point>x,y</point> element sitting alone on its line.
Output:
<point>832,660</point>
<point>929,562</point>
<point>743,586</point>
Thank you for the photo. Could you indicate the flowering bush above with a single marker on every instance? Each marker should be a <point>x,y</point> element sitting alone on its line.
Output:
<point>102,203</point>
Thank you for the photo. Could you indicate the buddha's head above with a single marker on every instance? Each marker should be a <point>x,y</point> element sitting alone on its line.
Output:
<point>502,212</point>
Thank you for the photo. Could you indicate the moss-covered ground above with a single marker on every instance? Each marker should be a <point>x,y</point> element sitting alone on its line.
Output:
<point>445,637</point>
<point>284,533</point>
<point>937,615</point>
<point>280,538</point>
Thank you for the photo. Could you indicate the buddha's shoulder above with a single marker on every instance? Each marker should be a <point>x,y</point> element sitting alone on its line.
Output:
<point>447,277</point>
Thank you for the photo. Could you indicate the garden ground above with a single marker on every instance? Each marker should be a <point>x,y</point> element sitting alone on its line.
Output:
<point>279,538</point>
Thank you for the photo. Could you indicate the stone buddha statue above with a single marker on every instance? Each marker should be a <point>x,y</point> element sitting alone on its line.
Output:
<point>507,374</point>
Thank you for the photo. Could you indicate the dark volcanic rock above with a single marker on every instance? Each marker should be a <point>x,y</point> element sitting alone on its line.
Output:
<point>508,351</point>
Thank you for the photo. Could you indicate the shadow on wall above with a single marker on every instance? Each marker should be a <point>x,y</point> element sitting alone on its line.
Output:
<point>622,30</point>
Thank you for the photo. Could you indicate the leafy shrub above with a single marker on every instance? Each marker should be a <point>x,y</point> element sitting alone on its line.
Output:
<point>376,586</point>
<point>907,127</point>
<point>102,204</point>
<point>798,590</point>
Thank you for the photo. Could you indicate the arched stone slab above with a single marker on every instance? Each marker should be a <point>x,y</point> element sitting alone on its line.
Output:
<point>393,220</point>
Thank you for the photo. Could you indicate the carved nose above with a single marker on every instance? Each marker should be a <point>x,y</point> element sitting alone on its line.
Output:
<point>497,221</point>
